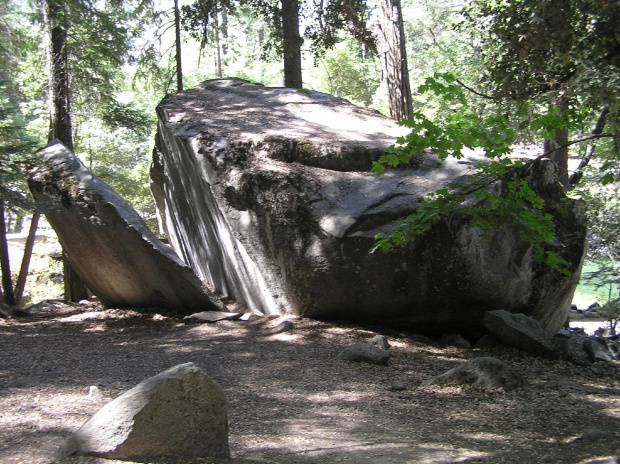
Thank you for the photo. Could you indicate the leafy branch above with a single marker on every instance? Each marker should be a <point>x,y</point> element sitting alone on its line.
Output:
<point>516,205</point>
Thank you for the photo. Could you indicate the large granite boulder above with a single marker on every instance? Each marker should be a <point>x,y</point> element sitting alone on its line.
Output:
<point>179,413</point>
<point>107,243</point>
<point>267,194</point>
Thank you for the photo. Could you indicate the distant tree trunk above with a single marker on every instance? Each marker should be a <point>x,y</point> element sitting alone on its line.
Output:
<point>5,264</point>
<point>224,27</point>
<point>393,56</point>
<point>557,150</point>
<point>60,116</point>
<point>387,40</point>
<point>23,271</point>
<point>177,30</point>
<point>291,44</point>
<point>218,45</point>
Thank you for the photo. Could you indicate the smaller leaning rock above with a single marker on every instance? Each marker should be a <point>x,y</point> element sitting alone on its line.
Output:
<point>363,352</point>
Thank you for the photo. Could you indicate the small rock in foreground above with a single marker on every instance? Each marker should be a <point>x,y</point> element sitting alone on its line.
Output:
<point>178,413</point>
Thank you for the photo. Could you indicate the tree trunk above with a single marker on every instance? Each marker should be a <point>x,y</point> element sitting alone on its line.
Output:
<point>5,264</point>
<point>177,30</point>
<point>291,44</point>
<point>393,56</point>
<point>60,116</point>
<point>224,28</point>
<point>75,288</point>
<point>218,45</point>
<point>23,271</point>
<point>557,149</point>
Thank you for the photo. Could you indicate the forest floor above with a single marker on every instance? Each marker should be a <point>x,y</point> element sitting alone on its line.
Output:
<point>291,400</point>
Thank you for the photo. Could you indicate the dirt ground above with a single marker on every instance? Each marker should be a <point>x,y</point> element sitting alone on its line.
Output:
<point>291,400</point>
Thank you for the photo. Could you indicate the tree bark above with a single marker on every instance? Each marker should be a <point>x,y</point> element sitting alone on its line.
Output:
<point>291,44</point>
<point>60,115</point>
<point>23,271</point>
<point>177,30</point>
<point>218,45</point>
<point>5,264</point>
<point>393,56</point>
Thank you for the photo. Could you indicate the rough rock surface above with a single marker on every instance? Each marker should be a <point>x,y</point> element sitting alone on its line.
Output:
<point>520,331</point>
<point>365,352</point>
<point>267,194</point>
<point>107,243</point>
<point>180,412</point>
<point>483,372</point>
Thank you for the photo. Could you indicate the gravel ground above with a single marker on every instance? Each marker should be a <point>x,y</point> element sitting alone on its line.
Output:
<point>291,400</point>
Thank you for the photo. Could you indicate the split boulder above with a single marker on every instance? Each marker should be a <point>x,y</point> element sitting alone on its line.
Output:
<point>178,413</point>
<point>267,194</point>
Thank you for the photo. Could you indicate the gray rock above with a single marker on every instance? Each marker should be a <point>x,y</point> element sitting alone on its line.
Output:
<point>284,326</point>
<point>212,316</point>
<point>177,413</point>
<point>380,342</point>
<point>568,351</point>
<point>398,385</point>
<point>484,372</point>
<point>363,352</point>
<point>609,460</point>
<point>455,340</point>
<point>107,243</point>
<point>267,194</point>
<point>594,435</point>
<point>596,350</point>
<point>520,331</point>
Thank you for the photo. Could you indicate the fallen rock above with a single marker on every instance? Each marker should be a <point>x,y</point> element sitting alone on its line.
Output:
<point>178,413</point>
<point>212,316</point>
<point>107,243</point>
<point>380,342</point>
<point>569,350</point>
<point>398,385</point>
<point>284,326</point>
<point>455,340</point>
<point>484,372</point>
<point>363,352</point>
<point>267,194</point>
<point>607,460</point>
<point>593,435</point>
<point>520,331</point>
<point>596,350</point>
